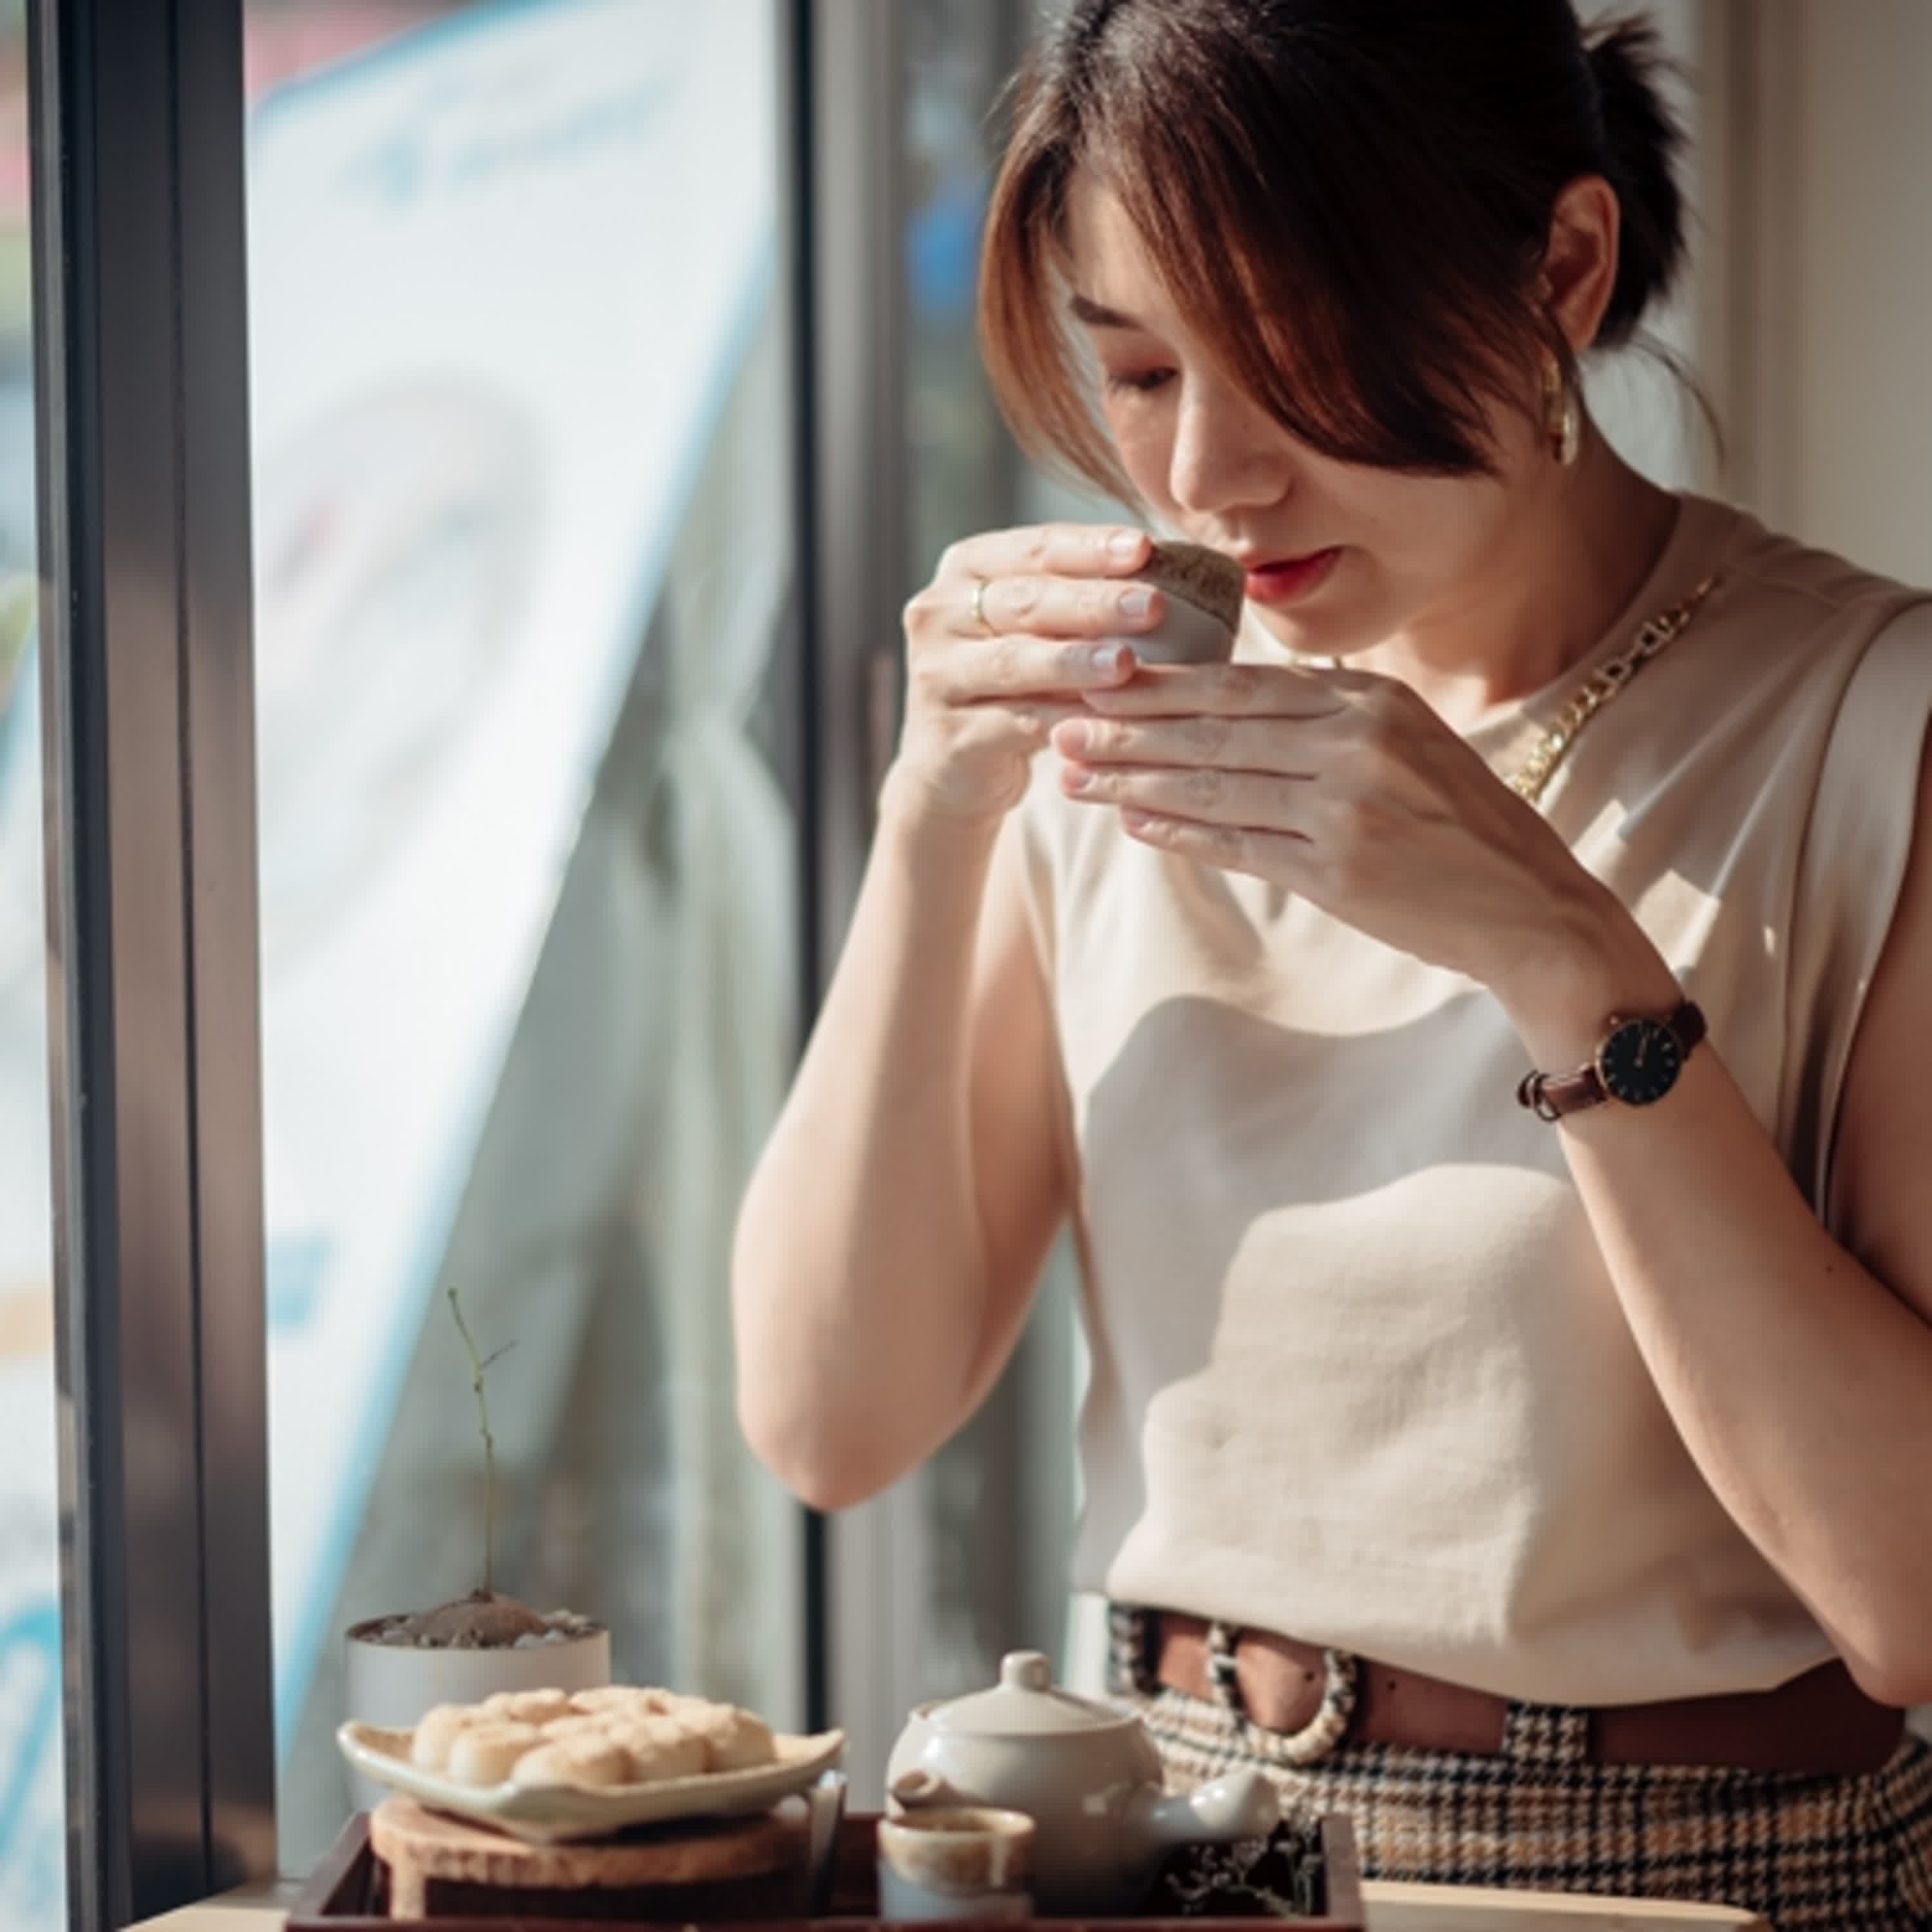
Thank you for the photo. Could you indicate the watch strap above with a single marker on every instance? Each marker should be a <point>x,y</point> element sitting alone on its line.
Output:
<point>1550,1095</point>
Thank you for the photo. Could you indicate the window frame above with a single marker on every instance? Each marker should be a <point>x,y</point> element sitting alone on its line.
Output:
<point>148,692</point>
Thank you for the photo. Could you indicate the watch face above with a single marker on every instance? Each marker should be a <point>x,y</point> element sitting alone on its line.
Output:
<point>1640,1062</point>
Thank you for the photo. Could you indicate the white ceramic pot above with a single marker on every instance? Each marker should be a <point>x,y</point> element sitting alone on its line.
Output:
<point>393,1684</point>
<point>1087,1775</point>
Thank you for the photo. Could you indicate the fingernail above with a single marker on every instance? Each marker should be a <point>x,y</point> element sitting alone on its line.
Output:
<point>1112,657</point>
<point>1073,737</point>
<point>1137,602</point>
<point>1077,780</point>
<point>1124,545</point>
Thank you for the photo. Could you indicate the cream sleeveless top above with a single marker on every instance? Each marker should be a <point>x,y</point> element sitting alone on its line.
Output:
<point>1359,1373</point>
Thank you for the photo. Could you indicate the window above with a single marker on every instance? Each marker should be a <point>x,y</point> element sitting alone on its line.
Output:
<point>522,562</point>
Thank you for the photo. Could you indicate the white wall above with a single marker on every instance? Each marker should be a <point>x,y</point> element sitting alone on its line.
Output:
<point>1641,405</point>
<point>1847,319</point>
<point>1807,312</point>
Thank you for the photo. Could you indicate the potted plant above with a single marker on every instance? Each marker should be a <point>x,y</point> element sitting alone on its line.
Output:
<point>460,1652</point>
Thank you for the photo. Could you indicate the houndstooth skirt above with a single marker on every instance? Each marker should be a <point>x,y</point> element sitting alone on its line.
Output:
<point>1851,1853</point>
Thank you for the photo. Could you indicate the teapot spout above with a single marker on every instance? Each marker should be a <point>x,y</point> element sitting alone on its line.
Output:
<point>921,1790</point>
<point>1242,1804</point>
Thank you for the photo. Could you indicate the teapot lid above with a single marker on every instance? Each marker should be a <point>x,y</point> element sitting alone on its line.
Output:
<point>1024,1702</point>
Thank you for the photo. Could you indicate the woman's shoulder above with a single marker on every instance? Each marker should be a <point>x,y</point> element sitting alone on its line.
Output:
<point>1779,582</point>
<point>1840,655</point>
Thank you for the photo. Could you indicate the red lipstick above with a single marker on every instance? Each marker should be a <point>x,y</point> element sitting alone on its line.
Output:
<point>1291,578</point>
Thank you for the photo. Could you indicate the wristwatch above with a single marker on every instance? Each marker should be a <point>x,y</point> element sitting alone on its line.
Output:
<point>1637,1064</point>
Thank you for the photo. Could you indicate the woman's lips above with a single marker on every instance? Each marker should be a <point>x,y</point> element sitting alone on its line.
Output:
<point>1292,577</point>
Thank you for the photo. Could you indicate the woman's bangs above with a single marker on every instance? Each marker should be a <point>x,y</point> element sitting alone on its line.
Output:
<point>1277,302</point>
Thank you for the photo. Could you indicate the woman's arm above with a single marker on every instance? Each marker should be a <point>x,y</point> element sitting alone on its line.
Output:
<point>1798,1374</point>
<point>888,1247</point>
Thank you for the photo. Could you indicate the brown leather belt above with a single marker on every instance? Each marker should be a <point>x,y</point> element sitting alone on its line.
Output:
<point>1821,1722</point>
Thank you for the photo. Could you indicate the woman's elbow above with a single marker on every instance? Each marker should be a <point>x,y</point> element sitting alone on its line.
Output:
<point>1891,1659</point>
<point>1901,1679</point>
<point>803,1455</point>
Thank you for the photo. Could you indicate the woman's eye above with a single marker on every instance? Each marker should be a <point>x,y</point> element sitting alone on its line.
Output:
<point>1139,381</point>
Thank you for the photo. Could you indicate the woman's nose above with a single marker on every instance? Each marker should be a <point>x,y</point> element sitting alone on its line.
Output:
<point>1229,453</point>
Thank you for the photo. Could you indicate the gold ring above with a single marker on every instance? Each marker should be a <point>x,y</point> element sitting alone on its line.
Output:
<point>978,606</point>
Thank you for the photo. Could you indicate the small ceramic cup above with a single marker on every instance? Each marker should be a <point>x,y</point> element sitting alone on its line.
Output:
<point>1203,589</point>
<point>962,1861</point>
<point>1185,635</point>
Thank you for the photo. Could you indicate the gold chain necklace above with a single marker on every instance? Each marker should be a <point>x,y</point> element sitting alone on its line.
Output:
<point>1530,778</point>
<point>1603,684</point>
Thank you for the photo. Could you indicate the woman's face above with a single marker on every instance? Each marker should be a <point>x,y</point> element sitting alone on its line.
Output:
<point>1340,556</point>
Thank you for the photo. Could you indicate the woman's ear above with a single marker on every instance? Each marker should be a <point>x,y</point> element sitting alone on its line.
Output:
<point>1579,259</point>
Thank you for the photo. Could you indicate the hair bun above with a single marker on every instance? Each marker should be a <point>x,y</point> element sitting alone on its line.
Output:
<point>1641,139</point>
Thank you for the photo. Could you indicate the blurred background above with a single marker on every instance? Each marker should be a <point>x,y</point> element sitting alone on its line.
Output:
<point>551,867</point>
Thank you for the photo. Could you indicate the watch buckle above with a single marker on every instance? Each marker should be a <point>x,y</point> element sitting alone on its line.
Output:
<point>1529,1094</point>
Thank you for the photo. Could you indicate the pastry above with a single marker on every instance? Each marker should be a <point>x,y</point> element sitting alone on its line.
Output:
<point>733,1739</point>
<point>437,1729</point>
<point>616,1734</point>
<point>487,1753</point>
<point>629,1700</point>
<point>528,1707</point>
<point>659,1748</point>
<point>578,1724</point>
<point>587,1763</point>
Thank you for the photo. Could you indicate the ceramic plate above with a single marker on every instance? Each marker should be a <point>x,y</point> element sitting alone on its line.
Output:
<point>549,1814</point>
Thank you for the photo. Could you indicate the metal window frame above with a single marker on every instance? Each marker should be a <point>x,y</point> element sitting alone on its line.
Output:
<point>141,403</point>
<point>865,1567</point>
<point>794,37</point>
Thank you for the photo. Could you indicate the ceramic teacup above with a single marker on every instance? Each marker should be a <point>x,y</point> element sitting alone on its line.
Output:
<point>1203,591</point>
<point>1185,635</point>
<point>955,1861</point>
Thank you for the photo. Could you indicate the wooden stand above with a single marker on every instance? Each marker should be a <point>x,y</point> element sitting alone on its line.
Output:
<point>441,1868</point>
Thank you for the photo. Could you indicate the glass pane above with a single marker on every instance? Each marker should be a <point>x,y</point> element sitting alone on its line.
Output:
<point>33,1876</point>
<point>529,954</point>
<point>1000,1497</point>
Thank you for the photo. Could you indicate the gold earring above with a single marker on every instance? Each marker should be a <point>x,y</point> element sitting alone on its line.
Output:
<point>1562,414</point>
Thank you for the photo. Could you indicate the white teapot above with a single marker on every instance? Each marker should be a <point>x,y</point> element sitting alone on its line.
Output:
<point>1089,1778</point>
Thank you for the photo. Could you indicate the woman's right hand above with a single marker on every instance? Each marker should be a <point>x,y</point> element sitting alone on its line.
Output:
<point>981,696</point>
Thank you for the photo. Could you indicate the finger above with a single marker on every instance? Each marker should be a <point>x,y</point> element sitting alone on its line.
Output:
<point>1055,607</point>
<point>1232,690</point>
<point>1262,801</point>
<point>1049,550</point>
<point>1034,718</point>
<point>1018,666</point>
<point>1280,856</point>
<point>1009,723</point>
<point>1231,744</point>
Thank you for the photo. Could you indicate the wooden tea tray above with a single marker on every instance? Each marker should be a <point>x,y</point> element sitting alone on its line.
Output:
<point>351,1891</point>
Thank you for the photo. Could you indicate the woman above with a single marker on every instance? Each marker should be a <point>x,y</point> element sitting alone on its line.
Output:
<point>1543,1484</point>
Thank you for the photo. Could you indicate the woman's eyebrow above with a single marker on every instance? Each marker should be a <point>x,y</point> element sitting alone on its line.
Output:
<point>1096,315</point>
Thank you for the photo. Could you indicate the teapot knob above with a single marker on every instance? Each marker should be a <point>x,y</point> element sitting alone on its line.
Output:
<point>1027,1670</point>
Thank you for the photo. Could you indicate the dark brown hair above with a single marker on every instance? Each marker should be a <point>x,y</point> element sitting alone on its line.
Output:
<point>1352,197</point>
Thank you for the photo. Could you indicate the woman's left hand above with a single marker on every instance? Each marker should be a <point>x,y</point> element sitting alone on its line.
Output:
<point>1347,790</point>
